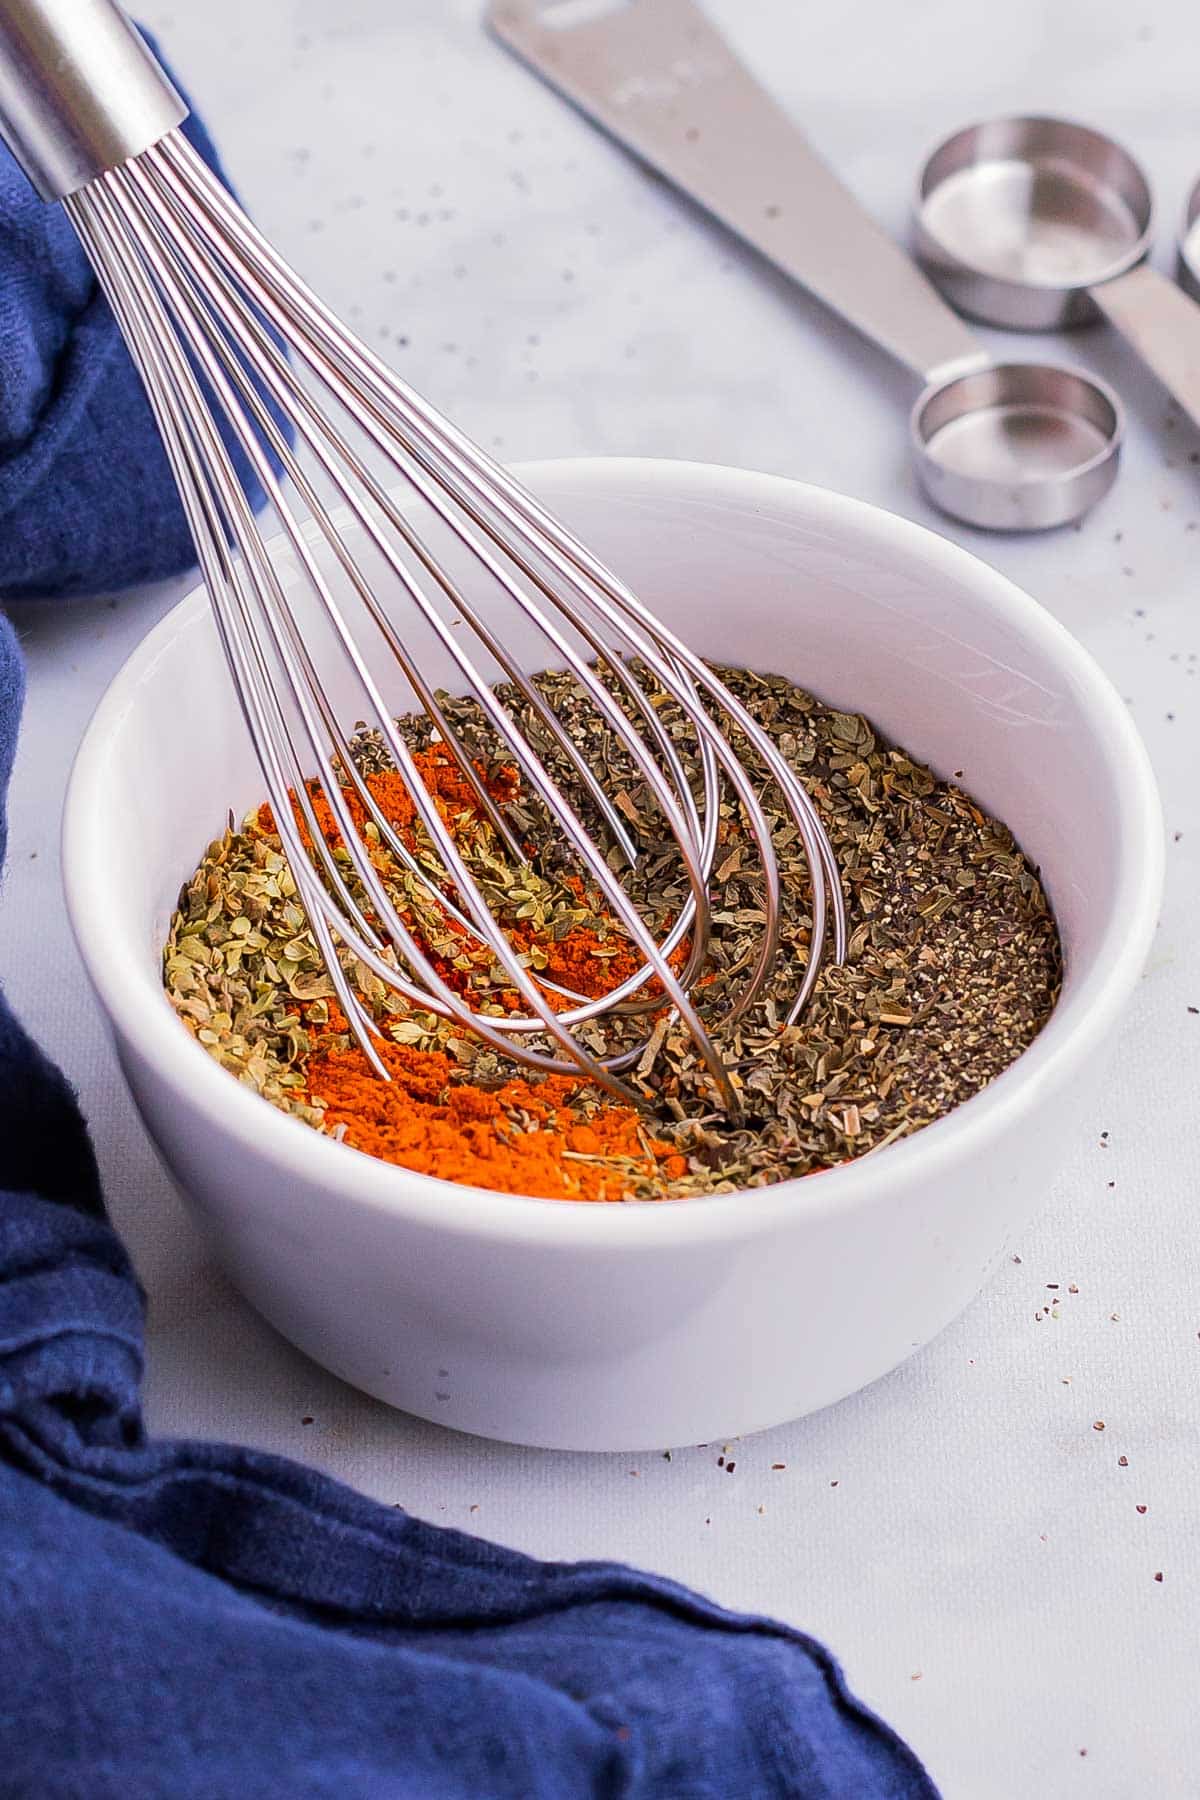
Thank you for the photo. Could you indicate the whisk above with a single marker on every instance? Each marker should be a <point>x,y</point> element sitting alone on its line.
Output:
<point>233,348</point>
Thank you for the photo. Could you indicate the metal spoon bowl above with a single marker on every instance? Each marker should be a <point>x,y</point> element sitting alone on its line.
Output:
<point>1019,219</point>
<point>1037,223</point>
<point>1017,446</point>
<point>1188,251</point>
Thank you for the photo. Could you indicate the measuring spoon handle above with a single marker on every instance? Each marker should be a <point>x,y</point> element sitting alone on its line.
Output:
<point>1163,326</point>
<point>661,79</point>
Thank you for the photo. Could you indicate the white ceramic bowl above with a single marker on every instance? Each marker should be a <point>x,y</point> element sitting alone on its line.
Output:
<point>630,1327</point>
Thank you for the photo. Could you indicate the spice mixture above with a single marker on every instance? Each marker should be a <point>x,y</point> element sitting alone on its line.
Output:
<point>953,968</point>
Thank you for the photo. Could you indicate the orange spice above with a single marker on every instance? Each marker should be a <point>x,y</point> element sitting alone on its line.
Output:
<point>453,796</point>
<point>520,1138</point>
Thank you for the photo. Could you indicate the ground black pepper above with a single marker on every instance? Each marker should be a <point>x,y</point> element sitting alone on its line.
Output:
<point>954,961</point>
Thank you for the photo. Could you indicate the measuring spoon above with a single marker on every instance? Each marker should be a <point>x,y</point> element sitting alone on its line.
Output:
<point>1008,446</point>
<point>1188,254</point>
<point>1037,223</point>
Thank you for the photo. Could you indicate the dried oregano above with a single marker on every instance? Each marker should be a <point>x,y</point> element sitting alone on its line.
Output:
<point>953,967</point>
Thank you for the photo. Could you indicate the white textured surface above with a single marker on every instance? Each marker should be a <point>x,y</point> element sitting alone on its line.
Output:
<point>960,1533</point>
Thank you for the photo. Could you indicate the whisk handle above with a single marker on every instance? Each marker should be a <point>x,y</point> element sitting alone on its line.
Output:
<point>79,91</point>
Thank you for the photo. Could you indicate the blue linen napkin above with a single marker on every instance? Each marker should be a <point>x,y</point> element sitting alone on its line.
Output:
<point>204,1621</point>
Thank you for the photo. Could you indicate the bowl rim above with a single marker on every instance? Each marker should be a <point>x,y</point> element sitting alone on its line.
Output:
<point>1076,1031</point>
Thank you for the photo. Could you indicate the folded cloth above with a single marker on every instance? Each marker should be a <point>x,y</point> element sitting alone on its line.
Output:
<point>202,1621</point>
<point>87,499</point>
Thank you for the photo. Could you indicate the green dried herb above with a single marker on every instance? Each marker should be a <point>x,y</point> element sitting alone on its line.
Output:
<point>954,962</point>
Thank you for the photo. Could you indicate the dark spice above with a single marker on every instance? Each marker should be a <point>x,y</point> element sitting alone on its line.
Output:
<point>953,968</point>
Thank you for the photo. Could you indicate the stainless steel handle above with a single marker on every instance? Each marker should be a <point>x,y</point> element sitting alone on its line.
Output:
<point>79,91</point>
<point>661,79</point>
<point>1162,324</point>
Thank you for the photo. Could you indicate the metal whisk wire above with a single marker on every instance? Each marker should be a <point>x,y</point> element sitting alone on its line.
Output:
<point>192,283</point>
<point>235,350</point>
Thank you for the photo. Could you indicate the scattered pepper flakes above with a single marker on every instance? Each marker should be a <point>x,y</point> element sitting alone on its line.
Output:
<point>1158,1574</point>
<point>1097,1424</point>
<point>779,1465</point>
<point>307,1419</point>
<point>1139,1508</point>
<point>1122,1462</point>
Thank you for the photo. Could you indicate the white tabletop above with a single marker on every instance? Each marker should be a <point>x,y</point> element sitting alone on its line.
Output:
<point>963,1534</point>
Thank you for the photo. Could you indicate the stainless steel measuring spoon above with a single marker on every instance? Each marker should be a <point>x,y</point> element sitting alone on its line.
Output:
<point>1187,265</point>
<point>1037,223</point>
<point>1009,446</point>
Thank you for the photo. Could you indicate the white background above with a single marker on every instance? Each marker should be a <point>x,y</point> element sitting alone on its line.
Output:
<point>960,1534</point>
